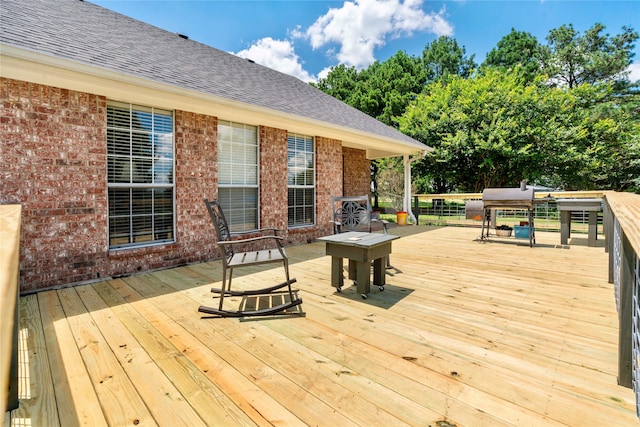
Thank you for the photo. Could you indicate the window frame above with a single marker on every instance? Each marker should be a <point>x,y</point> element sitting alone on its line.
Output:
<point>115,155</point>
<point>236,210</point>
<point>301,140</point>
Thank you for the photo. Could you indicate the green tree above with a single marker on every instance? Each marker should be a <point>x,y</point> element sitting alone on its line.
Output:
<point>572,59</point>
<point>341,83</point>
<point>610,139</point>
<point>388,87</point>
<point>383,90</point>
<point>491,130</point>
<point>516,48</point>
<point>444,57</point>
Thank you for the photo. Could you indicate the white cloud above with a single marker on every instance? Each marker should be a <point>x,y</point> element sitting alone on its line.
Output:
<point>350,35</point>
<point>277,54</point>
<point>324,73</point>
<point>634,72</point>
<point>359,27</point>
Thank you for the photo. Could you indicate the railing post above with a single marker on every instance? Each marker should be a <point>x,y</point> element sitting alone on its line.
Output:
<point>416,209</point>
<point>10,217</point>
<point>607,229</point>
<point>625,330</point>
<point>13,401</point>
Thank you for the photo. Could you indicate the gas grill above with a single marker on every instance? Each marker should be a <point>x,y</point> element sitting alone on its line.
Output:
<point>509,198</point>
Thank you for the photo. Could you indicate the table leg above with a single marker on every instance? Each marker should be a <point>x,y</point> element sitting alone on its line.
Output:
<point>565,227</point>
<point>379,278</point>
<point>593,228</point>
<point>363,277</point>
<point>337,280</point>
<point>353,270</point>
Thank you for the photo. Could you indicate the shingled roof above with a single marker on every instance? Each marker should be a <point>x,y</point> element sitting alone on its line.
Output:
<point>88,34</point>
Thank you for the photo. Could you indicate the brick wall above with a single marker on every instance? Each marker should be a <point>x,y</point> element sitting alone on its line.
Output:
<point>273,178</point>
<point>328,180</point>
<point>196,138</point>
<point>357,172</point>
<point>53,163</point>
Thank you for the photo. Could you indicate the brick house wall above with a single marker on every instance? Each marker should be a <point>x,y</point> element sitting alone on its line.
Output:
<point>53,162</point>
<point>357,172</point>
<point>328,179</point>
<point>273,178</point>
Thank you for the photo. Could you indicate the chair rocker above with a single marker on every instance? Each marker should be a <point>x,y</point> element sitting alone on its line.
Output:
<point>233,258</point>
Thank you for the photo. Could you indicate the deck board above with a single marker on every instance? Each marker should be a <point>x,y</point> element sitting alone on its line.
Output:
<point>474,333</point>
<point>77,402</point>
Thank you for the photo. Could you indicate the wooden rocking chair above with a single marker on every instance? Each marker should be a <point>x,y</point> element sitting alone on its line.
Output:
<point>232,258</point>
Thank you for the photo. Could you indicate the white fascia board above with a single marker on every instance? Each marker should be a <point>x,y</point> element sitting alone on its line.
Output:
<point>26,65</point>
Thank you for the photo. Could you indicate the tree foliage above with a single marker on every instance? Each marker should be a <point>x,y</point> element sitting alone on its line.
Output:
<point>561,114</point>
<point>486,131</point>
<point>444,57</point>
<point>388,87</point>
<point>341,83</point>
<point>516,48</point>
<point>572,59</point>
<point>493,130</point>
<point>382,91</point>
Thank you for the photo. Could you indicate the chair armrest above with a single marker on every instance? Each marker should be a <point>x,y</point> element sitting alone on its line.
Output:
<point>384,223</point>
<point>258,231</point>
<point>275,231</point>
<point>278,239</point>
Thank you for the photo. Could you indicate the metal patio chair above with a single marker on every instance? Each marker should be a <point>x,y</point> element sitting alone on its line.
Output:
<point>353,213</point>
<point>237,253</point>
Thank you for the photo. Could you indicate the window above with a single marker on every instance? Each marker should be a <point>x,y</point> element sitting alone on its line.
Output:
<point>301,180</point>
<point>140,165</point>
<point>238,174</point>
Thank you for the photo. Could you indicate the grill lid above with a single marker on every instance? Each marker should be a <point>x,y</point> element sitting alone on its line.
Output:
<point>507,195</point>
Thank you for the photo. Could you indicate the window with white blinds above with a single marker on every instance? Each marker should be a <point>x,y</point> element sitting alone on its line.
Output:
<point>301,180</point>
<point>140,169</point>
<point>238,174</point>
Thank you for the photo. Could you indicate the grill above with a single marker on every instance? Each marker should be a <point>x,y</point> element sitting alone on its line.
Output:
<point>509,198</point>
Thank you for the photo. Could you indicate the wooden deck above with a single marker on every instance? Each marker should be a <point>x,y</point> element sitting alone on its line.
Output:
<point>466,333</point>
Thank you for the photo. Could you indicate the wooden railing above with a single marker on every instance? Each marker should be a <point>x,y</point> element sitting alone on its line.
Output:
<point>622,228</point>
<point>9,293</point>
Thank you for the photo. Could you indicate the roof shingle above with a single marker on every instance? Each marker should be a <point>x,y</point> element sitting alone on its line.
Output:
<point>89,34</point>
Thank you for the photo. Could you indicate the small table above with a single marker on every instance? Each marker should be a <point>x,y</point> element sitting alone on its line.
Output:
<point>360,249</point>
<point>566,206</point>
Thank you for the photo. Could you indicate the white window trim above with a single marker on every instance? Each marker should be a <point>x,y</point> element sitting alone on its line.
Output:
<point>255,186</point>
<point>172,185</point>
<point>312,187</point>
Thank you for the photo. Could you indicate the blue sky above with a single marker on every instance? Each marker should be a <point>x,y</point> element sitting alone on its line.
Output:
<point>306,37</point>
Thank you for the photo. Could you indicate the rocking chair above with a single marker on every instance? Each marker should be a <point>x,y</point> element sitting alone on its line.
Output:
<point>232,258</point>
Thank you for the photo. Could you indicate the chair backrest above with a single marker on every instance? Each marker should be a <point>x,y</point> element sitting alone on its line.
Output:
<point>351,213</point>
<point>220,224</point>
